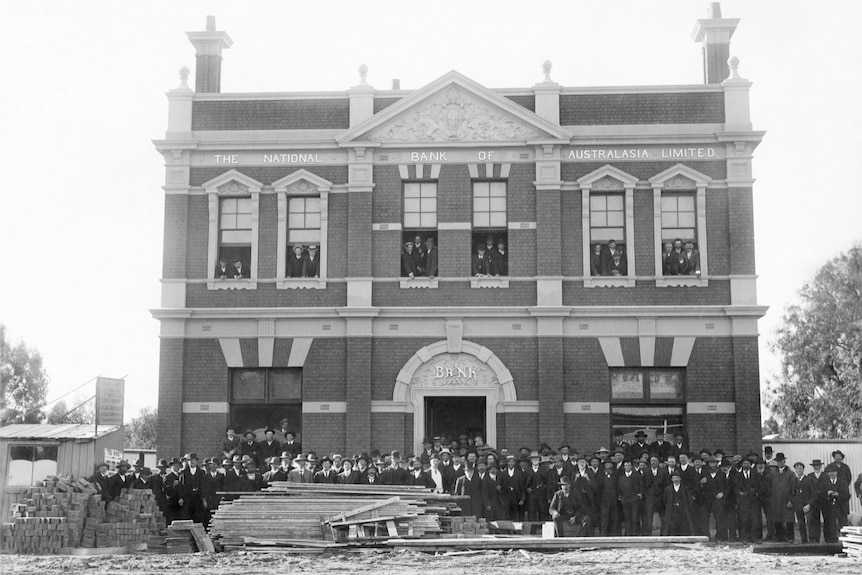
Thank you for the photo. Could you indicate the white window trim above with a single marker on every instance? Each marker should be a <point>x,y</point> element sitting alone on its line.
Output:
<point>489,282</point>
<point>626,183</point>
<point>301,183</point>
<point>216,189</point>
<point>419,283</point>
<point>681,178</point>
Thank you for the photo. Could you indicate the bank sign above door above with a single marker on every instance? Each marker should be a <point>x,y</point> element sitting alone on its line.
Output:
<point>454,370</point>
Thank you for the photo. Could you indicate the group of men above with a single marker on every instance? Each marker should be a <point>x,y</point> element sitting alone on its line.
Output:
<point>490,258</point>
<point>678,259</point>
<point>303,263</point>
<point>631,489</point>
<point>608,260</point>
<point>234,271</point>
<point>418,259</point>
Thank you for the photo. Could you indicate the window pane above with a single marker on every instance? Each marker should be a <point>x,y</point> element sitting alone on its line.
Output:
<point>668,203</point>
<point>498,204</point>
<point>498,189</point>
<point>296,221</point>
<point>665,385</point>
<point>616,219</point>
<point>228,221</point>
<point>428,221</point>
<point>498,220</point>
<point>606,234</point>
<point>248,384</point>
<point>303,237</point>
<point>243,221</point>
<point>598,203</point>
<point>228,206</point>
<point>411,190</point>
<point>481,204</point>
<point>481,220</point>
<point>429,205</point>
<point>627,385</point>
<point>429,190</point>
<point>599,219</point>
<point>313,220</point>
<point>411,220</point>
<point>312,205</point>
<point>243,205</point>
<point>615,202</point>
<point>686,220</point>
<point>668,220</point>
<point>685,203</point>
<point>481,189</point>
<point>285,384</point>
<point>236,237</point>
<point>630,419</point>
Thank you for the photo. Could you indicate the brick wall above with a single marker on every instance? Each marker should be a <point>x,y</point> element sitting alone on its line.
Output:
<point>386,198</point>
<point>713,431</point>
<point>175,234</point>
<point>304,114</point>
<point>747,391</point>
<point>718,246</point>
<point>587,432</point>
<point>550,371</point>
<point>383,103</point>
<point>388,356</point>
<point>171,376</point>
<point>358,377</point>
<point>324,371</point>
<point>666,108</point>
<point>520,356</point>
<point>206,376</point>
<point>644,248</point>
<point>207,73</point>
<point>358,235</point>
<point>645,293</point>
<point>741,231</point>
<point>324,433</point>
<point>709,376</point>
<point>585,371</point>
<point>391,431</point>
<point>448,293</point>
<point>202,433</point>
<point>454,194</point>
<point>527,101</point>
<point>522,429</point>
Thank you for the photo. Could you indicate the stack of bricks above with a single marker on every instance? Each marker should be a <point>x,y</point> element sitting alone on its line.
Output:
<point>60,512</point>
<point>463,526</point>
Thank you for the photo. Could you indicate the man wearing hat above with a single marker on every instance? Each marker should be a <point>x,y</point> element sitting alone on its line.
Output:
<point>173,506</point>
<point>349,474</point>
<point>296,263</point>
<point>418,476</point>
<point>714,490</point>
<point>609,524</point>
<point>536,485</point>
<point>746,491</point>
<point>191,479</point>
<point>836,503</point>
<point>394,474</point>
<point>100,479</point>
<point>844,472</point>
<point>301,473</point>
<point>640,445</point>
<point>655,480</point>
<point>780,490</point>
<point>804,493</point>
<point>230,444</point>
<point>137,480</point>
<point>249,447</point>
<point>120,480</point>
<point>312,262</point>
<point>269,447</point>
<point>212,482</point>
<point>660,447</point>
<point>253,480</point>
<point>568,512</point>
<point>274,464</point>
<point>512,489</point>
<point>157,483</point>
<point>630,492</point>
<point>233,478</point>
<point>677,502</point>
<point>817,515</point>
<point>290,444</point>
<point>370,477</point>
<point>326,474</point>
<point>470,485</point>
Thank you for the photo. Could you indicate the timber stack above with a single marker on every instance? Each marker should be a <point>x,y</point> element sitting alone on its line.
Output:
<point>62,513</point>
<point>308,517</point>
<point>852,541</point>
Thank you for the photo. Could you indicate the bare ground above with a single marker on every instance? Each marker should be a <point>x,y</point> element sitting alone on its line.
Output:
<point>683,560</point>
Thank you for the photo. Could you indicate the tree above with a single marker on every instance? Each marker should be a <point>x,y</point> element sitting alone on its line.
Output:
<point>818,393</point>
<point>23,382</point>
<point>141,430</point>
<point>83,410</point>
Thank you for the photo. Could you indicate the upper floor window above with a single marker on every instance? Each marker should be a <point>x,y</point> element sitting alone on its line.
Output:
<point>234,238</point>
<point>680,256</point>
<point>303,237</point>
<point>607,235</point>
<point>419,238</point>
<point>490,255</point>
<point>303,205</point>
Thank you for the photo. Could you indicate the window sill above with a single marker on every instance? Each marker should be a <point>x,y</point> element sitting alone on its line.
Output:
<point>301,283</point>
<point>419,283</point>
<point>681,281</point>
<point>214,284</point>
<point>609,281</point>
<point>489,282</point>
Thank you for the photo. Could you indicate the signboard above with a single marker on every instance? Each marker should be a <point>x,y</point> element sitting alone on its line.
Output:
<point>627,385</point>
<point>113,456</point>
<point>109,401</point>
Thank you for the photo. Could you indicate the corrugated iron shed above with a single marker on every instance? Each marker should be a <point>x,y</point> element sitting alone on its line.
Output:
<point>57,432</point>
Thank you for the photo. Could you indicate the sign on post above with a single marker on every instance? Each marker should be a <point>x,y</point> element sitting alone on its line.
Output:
<point>113,456</point>
<point>109,401</point>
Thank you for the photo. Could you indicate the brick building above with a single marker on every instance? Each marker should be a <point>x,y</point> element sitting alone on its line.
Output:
<point>558,346</point>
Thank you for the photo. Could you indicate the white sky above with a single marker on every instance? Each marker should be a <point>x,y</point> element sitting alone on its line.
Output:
<point>81,202</point>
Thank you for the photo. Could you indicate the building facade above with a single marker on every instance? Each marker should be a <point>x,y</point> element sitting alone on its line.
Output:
<point>584,323</point>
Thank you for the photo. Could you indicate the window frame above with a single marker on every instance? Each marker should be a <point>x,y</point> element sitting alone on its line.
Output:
<point>231,184</point>
<point>608,180</point>
<point>647,399</point>
<point>680,179</point>
<point>267,395</point>
<point>479,232</point>
<point>410,231</point>
<point>30,445</point>
<point>301,184</point>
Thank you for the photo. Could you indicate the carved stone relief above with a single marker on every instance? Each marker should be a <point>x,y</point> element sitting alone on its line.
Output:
<point>679,182</point>
<point>608,183</point>
<point>233,187</point>
<point>454,370</point>
<point>301,188</point>
<point>453,117</point>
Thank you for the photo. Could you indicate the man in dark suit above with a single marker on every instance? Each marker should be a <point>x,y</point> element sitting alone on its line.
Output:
<point>500,259</point>
<point>512,489</point>
<point>431,256</point>
<point>692,258</point>
<point>296,266</point>
<point>326,475</point>
<point>556,471</point>
<point>137,480</point>
<point>639,446</point>
<point>665,258</point>
<point>536,484</point>
<point>223,269</point>
<point>470,485</point>
<point>394,474</point>
<point>616,266</point>
<point>370,478</point>
<point>655,480</point>
<point>844,472</point>
<point>419,255</point>
<point>290,444</point>
<point>349,474</point>
<point>239,270</point>
<point>312,262</point>
<point>408,261</point>
<point>269,447</point>
<point>452,468</point>
<point>568,512</point>
<point>100,479</point>
<point>660,447</point>
<point>608,253</point>
<point>677,503</point>
<point>804,493</point>
<point>596,260</point>
<point>250,447</point>
<point>836,502</point>
<point>608,512</point>
<point>191,479</point>
<point>419,477</point>
<point>212,482</point>
<point>233,478</point>
<point>120,480</point>
<point>630,491</point>
<point>480,262</point>
<point>253,480</point>
<point>817,515</point>
<point>173,504</point>
<point>713,491</point>
<point>746,490</point>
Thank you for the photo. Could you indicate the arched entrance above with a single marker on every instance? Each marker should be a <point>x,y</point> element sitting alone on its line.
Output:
<point>435,378</point>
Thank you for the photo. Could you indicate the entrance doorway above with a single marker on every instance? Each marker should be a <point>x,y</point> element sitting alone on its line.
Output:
<point>453,416</point>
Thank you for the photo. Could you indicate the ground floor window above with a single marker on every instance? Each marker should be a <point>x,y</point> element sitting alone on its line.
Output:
<point>628,419</point>
<point>261,398</point>
<point>31,463</point>
<point>647,399</point>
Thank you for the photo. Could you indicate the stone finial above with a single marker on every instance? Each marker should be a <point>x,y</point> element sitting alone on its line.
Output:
<point>546,68</point>
<point>211,26</point>
<point>184,78</point>
<point>363,74</point>
<point>733,64</point>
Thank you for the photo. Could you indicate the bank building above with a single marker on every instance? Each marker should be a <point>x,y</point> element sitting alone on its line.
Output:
<point>325,261</point>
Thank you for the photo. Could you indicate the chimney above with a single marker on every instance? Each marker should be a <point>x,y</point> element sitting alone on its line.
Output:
<point>714,34</point>
<point>208,46</point>
<point>396,84</point>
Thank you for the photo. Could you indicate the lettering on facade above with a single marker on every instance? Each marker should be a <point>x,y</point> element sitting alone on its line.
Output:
<point>427,156</point>
<point>641,154</point>
<point>296,158</point>
<point>454,370</point>
<point>226,158</point>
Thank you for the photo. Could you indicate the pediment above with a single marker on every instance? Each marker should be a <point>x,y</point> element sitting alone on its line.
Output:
<point>680,177</point>
<point>302,182</point>
<point>232,182</point>
<point>454,109</point>
<point>608,178</point>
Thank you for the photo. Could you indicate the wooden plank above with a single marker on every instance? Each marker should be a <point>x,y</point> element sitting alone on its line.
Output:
<point>391,529</point>
<point>493,542</point>
<point>363,509</point>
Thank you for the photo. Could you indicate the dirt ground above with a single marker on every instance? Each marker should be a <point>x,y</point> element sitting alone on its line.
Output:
<point>681,560</point>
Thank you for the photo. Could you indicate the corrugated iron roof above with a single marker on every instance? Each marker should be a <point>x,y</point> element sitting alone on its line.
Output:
<point>47,431</point>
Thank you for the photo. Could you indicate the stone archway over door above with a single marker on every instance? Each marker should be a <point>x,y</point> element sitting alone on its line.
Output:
<point>438,370</point>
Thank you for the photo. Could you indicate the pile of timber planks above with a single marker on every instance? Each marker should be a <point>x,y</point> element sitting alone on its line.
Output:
<point>307,517</point>
<point>852,541</point>
<point>538,543</point>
